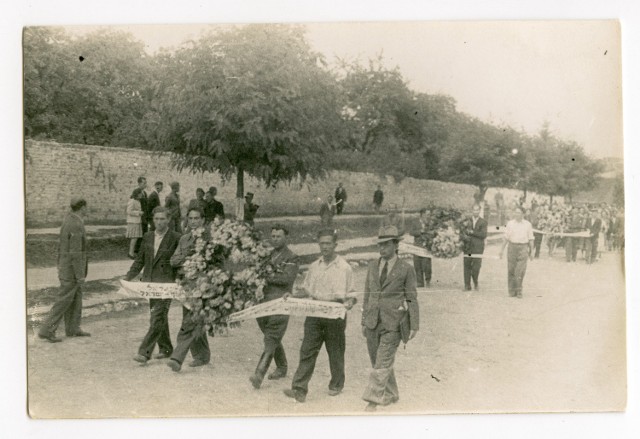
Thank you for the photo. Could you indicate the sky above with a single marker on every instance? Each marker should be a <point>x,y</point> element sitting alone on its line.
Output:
<point>516,73</point>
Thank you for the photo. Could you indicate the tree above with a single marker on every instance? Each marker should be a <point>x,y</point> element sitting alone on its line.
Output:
<point>89,89</point>
<point>481,154</point>
<point>252,99</point>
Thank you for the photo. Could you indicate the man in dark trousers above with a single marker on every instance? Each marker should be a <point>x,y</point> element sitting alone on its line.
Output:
<point>274,327</point>
<point>329,279</point>
<point>474,247</point>
<point>152,202</point>
<point>595,229</point>
<point>214,208</point>
<point>341,198</point>
<point>421,264</point>
<point>172,204</point>
<point>72,271</point>
<point>378,198</point>
<point>390,314</point>
<point>192,336</point>
<point>250,209</point>
<point>154,258</point>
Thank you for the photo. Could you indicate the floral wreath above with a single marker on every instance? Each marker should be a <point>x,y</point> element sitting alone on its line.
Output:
<point>226,273</point>
<point>446,232</point>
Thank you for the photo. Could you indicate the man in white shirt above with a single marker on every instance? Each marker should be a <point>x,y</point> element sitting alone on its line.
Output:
<point>330,279</point>
<point>519,237</point>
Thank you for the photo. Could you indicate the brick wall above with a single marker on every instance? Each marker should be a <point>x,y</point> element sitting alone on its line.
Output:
<point>106,176</point>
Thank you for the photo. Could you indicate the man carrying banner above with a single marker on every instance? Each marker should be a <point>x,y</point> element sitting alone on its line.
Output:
<point>192,336</point>
<point>329,279</point>
<point>390,314</point>
<point>519,237</point>
<point>157,248</point>
<point>475,246</point>
<point>273,327</point>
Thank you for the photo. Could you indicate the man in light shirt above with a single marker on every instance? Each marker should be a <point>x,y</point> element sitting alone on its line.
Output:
<point>329,279</point>
<point>519,237</point>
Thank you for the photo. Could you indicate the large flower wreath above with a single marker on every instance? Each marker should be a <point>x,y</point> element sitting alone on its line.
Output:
<point>446,232</point>
<point>226,273</point>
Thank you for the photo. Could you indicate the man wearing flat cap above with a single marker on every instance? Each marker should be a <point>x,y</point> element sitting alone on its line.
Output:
<point>72,271</point>
<point>390,314</point>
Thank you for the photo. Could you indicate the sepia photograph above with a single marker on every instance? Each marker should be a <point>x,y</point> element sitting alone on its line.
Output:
<point>310,219</point>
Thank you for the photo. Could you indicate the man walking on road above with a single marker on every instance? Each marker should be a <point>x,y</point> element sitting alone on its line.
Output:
<point>421,264</point>
<point>192,336</point>
<point>273,327</point>
<point>519,238</point>
<point>390,314</point>
<point>154,257</point>
<point>72,271</point>
<point>329,279</point>
<point>474,247</point>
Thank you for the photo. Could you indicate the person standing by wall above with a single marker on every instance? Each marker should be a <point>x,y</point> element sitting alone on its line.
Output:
<point>72,272</point>
<point>153,201</point>
<point>327,211</point>
<point>172,204</point>
<point>134,219</point>
<point>341,198</point>
<point>378,198</point>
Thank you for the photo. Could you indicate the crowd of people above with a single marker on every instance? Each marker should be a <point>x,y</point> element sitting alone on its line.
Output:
<point>161,242</point>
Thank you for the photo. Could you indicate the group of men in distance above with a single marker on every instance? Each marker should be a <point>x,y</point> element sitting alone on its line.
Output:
<point>390,312</point>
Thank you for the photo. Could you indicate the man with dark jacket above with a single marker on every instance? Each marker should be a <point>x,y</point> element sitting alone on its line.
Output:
<point>473,248</point>
<point>421,264</point>
<point>378,198</point>
<point>214,208</point>
<point>153,260</point>
<point>192,336</point>
<point>341,198</point>
<point>172,204</point>
<point>274,327</point>
<point>594,229</point>
<point>153,201</point>
<point>72,271</point>
<point>390,314</point>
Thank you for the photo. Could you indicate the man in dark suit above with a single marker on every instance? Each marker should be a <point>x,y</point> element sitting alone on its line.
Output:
<point>172,204</point>
<point>341,198</point>
<point>250,209</point>
<point>274,327</point>
<point>475,246</point>
<point>153,260</point>
<point>152,202</point>
<point>192,336</point>
<point>72,271</point>
<point>390,314</point>
<point>214,208</point>
<point>595,230</point>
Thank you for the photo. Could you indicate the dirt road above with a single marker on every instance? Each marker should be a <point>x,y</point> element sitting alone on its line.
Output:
<point>559,348</point>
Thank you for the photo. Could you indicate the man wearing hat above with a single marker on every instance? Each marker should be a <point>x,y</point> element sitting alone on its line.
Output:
<point>389,314</point>
<point>250,209</point>
<point>72,271</point>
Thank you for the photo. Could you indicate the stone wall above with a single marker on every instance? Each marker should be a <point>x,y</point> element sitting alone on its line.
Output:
<point>106,176</point>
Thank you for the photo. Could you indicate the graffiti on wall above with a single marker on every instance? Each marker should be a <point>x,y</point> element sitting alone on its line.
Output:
<point>96,166</point>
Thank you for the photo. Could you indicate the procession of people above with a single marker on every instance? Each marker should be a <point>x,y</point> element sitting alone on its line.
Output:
<point>390,311</point>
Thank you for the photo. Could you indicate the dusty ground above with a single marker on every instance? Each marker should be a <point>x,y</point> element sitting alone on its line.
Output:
<point>559,348</point>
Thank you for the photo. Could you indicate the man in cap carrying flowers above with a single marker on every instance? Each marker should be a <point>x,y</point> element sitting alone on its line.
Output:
<point>390,314</point>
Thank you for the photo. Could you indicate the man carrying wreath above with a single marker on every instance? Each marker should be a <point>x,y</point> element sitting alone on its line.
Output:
<point>390,314</point>
<point>329,279</point>
<point>273,327</point>
<point>192,336</point>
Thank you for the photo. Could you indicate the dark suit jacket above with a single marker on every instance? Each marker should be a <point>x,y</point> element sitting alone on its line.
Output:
<point>152,202</point>
<point>282,281</point>
<point>72,249</point>
<point>596,226</point>
<point>327,211</point>
<point>384,302</point>
<point>475,245</point>
<point>340,195</point>
<point>158,268</point>
<point>172,204</point>
<point>144,205</point>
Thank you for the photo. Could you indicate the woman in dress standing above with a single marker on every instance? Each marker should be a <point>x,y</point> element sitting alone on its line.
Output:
<point>134,215</point>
